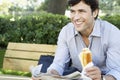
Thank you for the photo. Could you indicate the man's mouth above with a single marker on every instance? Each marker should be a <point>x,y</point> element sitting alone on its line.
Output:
<point>78,22</point>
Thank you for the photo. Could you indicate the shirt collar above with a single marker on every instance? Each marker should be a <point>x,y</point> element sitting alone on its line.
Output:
<point>96,29</point>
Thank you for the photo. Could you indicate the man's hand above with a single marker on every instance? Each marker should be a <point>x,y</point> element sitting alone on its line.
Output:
<point>93,72</point>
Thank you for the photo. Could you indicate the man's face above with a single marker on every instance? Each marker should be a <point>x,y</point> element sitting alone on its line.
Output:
<point>82,17</point>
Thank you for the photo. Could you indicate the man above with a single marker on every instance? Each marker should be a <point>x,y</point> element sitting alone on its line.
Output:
<point>86,31</point>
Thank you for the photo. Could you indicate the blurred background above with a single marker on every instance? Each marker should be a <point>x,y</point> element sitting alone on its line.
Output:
<point>40,21</point>
<point>24,7</point>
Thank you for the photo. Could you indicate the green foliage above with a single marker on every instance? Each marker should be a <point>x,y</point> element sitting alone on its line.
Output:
<point>43,28</point>
<point>12,72</point>
<point>5,26</point>
<point>115,19</point>
<point>110,6</point>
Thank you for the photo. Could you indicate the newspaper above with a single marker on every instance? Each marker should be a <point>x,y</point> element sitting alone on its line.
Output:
<point>38,75</point>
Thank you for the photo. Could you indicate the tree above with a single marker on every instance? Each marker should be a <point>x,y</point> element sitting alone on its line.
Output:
<point>4,7</point>
<point>54,6</point>
<point>110,6</point>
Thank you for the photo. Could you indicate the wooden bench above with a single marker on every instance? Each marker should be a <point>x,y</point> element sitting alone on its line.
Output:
<point>20,56</point>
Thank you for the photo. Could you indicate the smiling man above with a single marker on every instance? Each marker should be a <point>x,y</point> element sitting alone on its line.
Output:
<point>87,31</point>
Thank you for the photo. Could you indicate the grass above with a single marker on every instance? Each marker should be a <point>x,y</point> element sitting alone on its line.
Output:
<point>10,72</point>
<point>18,73</point>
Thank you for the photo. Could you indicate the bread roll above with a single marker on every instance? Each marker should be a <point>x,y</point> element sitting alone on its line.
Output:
<point>85,57</point>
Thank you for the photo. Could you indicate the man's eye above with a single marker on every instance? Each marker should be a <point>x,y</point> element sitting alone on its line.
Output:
<point>72,11</point>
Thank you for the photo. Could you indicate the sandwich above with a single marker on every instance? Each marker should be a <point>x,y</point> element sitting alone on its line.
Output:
<point>85,57</point>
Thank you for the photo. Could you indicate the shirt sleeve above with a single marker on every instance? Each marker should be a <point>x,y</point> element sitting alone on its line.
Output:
<point>113,54</point>
<point>62,53</point>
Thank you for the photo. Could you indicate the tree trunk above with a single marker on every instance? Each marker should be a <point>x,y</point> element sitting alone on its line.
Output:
<point>57,6</point>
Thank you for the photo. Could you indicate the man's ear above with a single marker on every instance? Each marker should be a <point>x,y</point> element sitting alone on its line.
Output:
<point>95,13</point>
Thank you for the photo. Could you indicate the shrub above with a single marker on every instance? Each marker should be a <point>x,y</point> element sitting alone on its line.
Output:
<point>43,28</point>
<point>115,19</point>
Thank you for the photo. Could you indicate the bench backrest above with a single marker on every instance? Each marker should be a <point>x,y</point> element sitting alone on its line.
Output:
<point>20,56</point>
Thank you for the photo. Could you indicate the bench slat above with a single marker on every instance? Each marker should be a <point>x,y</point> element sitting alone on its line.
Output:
<point>18,65</point>
<point>32,47</point>
<point>24,54</point>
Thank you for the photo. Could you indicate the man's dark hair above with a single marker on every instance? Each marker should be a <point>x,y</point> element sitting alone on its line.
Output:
<point>94,4</point>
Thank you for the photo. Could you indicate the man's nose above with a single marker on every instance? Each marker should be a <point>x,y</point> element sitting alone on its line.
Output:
<point>77,16</point>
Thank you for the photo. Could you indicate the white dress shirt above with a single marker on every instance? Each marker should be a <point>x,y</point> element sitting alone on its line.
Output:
<point>104,45</point>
